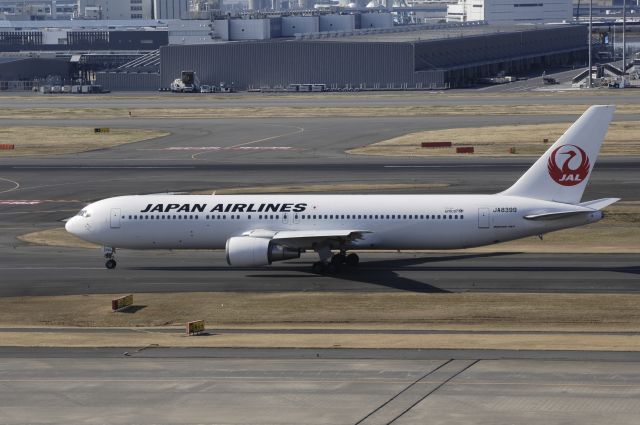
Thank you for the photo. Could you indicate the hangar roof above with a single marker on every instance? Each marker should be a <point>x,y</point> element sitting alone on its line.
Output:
<point>397,35</point>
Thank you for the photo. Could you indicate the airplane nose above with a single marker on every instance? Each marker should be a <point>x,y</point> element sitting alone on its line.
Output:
<point>73,226</point>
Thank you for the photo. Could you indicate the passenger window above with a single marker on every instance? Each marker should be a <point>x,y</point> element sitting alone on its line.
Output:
<point>455,216</point>
<point>461,217</point>
<point>129,217</point>
<point>438,216</point>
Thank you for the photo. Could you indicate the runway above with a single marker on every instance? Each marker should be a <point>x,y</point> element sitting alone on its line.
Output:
<point>63,271</point>
<point>204,386</point>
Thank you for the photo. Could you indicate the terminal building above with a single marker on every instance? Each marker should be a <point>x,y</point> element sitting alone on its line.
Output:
<point>347,50</point>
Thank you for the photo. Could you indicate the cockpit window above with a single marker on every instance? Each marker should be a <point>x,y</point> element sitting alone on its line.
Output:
<point>84,213</point>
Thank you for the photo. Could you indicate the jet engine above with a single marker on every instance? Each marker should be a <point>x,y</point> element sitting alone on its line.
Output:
<point>247,251</point>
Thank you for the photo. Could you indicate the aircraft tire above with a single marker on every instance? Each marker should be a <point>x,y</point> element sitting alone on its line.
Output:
<point>318,267</point>
<point>352,259</point>
<point>110,264</point>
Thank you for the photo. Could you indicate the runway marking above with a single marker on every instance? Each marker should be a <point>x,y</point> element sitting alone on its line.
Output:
<point>222,148</point>
<point>455,166</point>
<point>15,183</point>
<point>298,130</point>
<point>52,268</point>
<point>19,202</point>
<point>35,201</point>
<point>114,167</point>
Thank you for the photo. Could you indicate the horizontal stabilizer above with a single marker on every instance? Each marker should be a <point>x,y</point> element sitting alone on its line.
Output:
<point>599,204</point>
<point>554,215</point>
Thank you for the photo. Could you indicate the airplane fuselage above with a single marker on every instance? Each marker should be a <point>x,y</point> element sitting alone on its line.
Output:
<point>389,221</point>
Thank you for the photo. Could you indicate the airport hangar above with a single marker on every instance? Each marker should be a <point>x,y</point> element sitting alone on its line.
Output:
<point>441,57</point>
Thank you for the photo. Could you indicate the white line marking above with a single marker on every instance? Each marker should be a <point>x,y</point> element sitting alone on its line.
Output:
<point>16,185</point>
<point>453,166</point>
<point>52,268</point>
<point>18,202</point>
<point>221,148</point>
<point>100,168</point>
<point>291,133</point>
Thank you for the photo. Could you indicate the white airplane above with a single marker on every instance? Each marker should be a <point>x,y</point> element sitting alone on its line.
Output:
<point>256,230</point>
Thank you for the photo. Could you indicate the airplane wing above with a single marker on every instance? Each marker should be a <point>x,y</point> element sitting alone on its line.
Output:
<point>305,239</point>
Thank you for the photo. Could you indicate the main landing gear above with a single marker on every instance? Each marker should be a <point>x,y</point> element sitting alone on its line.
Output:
<point>331,264</point>
<point>109,255</point>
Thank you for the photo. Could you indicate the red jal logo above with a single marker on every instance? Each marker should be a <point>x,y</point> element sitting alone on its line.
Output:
<point>562,165</point>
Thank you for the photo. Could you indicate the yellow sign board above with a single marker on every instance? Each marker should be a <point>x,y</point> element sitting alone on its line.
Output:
<point>195,327</point>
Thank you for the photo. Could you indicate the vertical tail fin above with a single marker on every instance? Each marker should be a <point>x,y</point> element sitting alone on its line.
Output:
<point>562,173</point>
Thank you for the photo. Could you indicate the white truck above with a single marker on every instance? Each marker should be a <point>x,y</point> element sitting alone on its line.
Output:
<point>187,83</point>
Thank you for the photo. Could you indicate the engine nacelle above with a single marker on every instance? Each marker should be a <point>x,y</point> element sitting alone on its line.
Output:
<point>247,251</point>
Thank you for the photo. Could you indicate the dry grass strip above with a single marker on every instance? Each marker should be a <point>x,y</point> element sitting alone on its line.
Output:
<point>622,139</point>
<point>64,140</point>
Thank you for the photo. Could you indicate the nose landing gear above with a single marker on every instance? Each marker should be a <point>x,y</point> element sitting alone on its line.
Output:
<point>109,255</point>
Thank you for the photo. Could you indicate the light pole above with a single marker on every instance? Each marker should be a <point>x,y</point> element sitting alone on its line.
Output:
<point>624,44</point>
<point>589,38</point>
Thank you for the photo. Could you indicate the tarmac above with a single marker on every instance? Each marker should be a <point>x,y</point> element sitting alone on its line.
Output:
<point>223,386</point>
<point>205,386</point>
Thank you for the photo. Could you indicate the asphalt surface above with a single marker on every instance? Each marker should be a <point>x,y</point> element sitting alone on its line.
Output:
<point>160,386</point>
<point>60,271</point>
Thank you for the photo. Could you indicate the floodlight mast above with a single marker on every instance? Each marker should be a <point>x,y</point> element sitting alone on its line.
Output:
<point>590,41</point>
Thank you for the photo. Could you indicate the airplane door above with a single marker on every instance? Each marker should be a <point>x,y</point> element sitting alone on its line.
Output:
<point>483,218</point>
<point>115,218</point>
<point>296,218</point>
<point>285,218</point>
